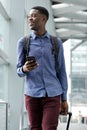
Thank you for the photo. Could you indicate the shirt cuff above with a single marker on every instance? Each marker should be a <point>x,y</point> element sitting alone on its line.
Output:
<point>63,97</point>
<point>20,72</point>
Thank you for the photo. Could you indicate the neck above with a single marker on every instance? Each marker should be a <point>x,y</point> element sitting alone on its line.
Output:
<point>40,32</point>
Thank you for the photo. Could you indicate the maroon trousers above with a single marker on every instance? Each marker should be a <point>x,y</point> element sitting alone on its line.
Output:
<point>43,112</point>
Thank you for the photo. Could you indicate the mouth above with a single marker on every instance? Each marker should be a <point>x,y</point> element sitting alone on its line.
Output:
<point>31,24</point>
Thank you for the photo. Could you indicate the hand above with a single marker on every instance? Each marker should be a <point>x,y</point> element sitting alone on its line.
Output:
<point>29,66</point>
<point>64,108</point>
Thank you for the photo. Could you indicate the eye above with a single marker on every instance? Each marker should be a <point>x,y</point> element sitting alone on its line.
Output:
<point>28,16</point>
<point>31,16</point>
<point>34,15</point>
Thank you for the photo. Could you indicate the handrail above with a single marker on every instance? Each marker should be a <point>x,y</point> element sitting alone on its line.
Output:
<point>21,116</point>
<point>6,112</point>
<point>21,109</point>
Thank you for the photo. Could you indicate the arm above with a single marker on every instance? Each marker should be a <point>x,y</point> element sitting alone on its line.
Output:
<point>23,66</point>
<point>62,72</point>
<point>63,79</point>
<point>20,57</point>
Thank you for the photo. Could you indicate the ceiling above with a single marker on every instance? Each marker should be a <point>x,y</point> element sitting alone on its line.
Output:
<point>70,17</point>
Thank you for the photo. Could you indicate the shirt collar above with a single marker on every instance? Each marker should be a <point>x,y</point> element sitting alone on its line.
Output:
<point>34,36</point>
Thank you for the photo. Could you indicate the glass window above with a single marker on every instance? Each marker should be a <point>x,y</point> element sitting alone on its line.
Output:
<point>79,59</point>
<point>4,42</point>
<point>6,4</point>
<point>78,83</point>
<point>4,34</point>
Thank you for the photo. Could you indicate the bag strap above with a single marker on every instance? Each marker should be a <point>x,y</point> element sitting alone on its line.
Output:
<point>26,45</point>
<point>55,51</point>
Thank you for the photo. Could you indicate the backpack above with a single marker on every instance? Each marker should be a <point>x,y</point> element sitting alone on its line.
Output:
<point>55,50</point>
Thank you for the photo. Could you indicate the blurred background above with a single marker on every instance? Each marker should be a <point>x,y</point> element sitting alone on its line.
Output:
<point>68,20</point>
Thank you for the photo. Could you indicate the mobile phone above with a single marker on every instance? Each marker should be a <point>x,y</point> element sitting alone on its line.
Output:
<point>30,58</point>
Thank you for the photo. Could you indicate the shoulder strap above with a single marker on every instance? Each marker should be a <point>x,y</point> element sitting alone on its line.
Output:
<point>26,45</point>
<point>55,51</point>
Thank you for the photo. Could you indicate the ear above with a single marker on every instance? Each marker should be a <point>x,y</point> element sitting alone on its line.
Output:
<point>44,18</point>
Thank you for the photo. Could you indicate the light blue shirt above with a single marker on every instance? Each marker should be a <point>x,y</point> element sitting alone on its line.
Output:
<point>43,79</point>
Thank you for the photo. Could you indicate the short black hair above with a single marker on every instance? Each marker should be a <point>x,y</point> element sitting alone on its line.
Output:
<point>42,10</point>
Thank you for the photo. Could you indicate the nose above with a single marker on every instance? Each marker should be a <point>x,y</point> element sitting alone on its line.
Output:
<point>29,18</point>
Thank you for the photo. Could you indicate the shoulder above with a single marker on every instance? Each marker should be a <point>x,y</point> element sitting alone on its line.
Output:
<point>21,40</point>
<point>59,40</point>
<point>56,39</point>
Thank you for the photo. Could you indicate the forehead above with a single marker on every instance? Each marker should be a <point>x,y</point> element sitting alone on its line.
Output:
<point>34,11</point>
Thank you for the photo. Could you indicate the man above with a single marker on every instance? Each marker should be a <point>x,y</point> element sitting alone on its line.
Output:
<point>43,90</point>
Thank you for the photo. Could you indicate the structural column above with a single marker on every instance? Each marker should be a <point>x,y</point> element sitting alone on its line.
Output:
<point>15,84</point>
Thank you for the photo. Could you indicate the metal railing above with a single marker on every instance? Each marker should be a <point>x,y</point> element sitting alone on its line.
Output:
<point>4,113</point>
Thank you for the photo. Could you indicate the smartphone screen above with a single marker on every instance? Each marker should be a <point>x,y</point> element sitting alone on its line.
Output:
<point>30,58</point>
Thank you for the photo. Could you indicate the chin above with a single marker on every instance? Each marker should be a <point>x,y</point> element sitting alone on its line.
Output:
<point>33,28</point>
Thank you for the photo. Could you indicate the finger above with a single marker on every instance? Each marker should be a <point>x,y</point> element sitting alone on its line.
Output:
<point>31,67</point>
